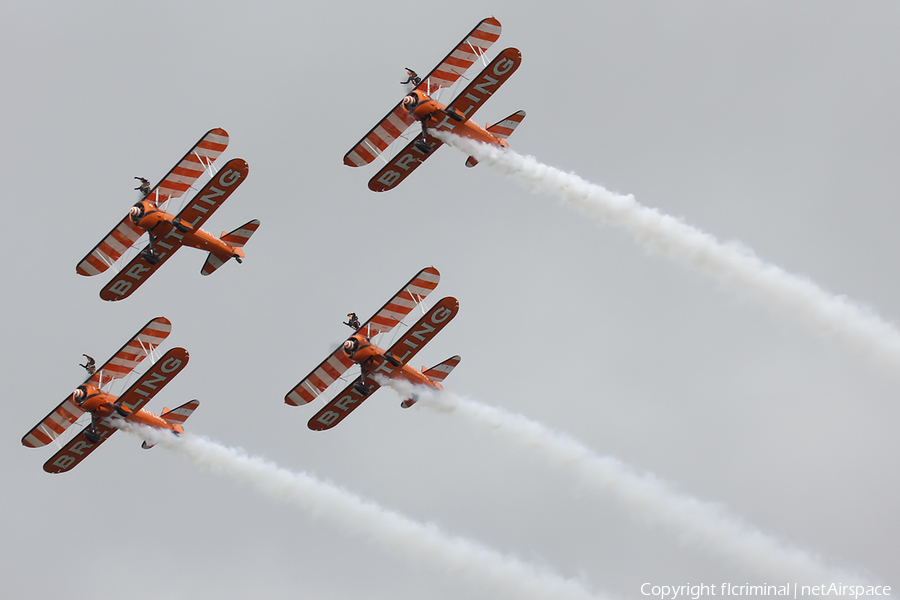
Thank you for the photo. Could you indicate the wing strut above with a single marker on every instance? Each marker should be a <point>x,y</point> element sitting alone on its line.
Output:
<point>477,53</point>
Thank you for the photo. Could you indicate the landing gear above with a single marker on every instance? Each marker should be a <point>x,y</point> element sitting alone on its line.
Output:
<point>181,225</point>
<point>91,436</point>
<point>238,259</point>
<point>422,146</point>
<point>392,359</point>
<point>455,115</point>
<point>361,388</point>
<point>150,256</point>
<point>120,410</point>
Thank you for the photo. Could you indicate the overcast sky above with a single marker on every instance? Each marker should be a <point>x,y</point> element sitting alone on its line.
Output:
<point>771,123</point>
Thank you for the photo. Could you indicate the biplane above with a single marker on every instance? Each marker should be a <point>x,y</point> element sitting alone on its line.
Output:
<point>167,232</point>
<point>104,409</point>
<point>419,106</point>
<point>376,363</point>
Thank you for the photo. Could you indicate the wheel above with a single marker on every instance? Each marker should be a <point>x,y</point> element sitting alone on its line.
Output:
<point>122,412</point>
<point>362,389</point>
<point>422,146</point>
<point>92,436</point>
<point>392,359</point>
<point>150,257</point>
<point>180,225</point>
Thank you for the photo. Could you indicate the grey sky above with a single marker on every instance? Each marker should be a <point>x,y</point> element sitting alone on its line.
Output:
<point>771,123</point>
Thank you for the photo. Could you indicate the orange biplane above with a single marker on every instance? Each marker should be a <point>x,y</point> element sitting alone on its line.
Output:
<point>419,106</point>
<point>104,408</point>
<point>373,361</point>
<point>169,232</point>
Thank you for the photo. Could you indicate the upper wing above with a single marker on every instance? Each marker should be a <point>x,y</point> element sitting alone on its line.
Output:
<point>77,450</point>
<point>318,381</point>
<point>405,162</point>
<point>53,425</point>
<point>191,166</point>
<point>379,137</point>
<point>470,49</point>
<point>133,352</point>
<point>215,192</point>
<point>342,405</point>
<point>409,296</point>
<point>387,317</point>
<point>474,45</point>
<point>122,237</point>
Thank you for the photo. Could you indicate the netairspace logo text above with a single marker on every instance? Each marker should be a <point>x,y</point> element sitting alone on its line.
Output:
<point>789,590</point>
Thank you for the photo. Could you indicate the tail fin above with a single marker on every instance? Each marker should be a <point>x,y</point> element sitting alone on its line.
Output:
<point>502,130</point>
<point>437,374</point>
<point>175,417</point>
<point>236,239</point>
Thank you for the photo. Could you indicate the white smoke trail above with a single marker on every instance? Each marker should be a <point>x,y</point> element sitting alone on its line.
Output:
<point>700,523</point>
<point>458,557</point>
<point>733,265</point>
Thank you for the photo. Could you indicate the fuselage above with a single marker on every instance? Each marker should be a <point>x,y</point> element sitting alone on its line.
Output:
<point>162,226</point>
<point>434,115</point>
<point>372,361</point>
<point>102,405</point>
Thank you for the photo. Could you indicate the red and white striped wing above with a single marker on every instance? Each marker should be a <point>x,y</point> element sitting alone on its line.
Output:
<point>331,369</point>
<point>131,354</point>
<point>380,137</point>
<point>114,245</point>
<point>53,425</point>
<point>444,75</point>
<point>403,302</point>
<point>191,166</point>
<point>463,56</point>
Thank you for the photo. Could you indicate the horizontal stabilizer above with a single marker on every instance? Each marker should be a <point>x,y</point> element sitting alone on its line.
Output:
<point>505,128</point>
<point>240,236</point>
<point>175,417</point>
<point>501,130</point>
<point>236,239</point>
<point>439,372</point>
